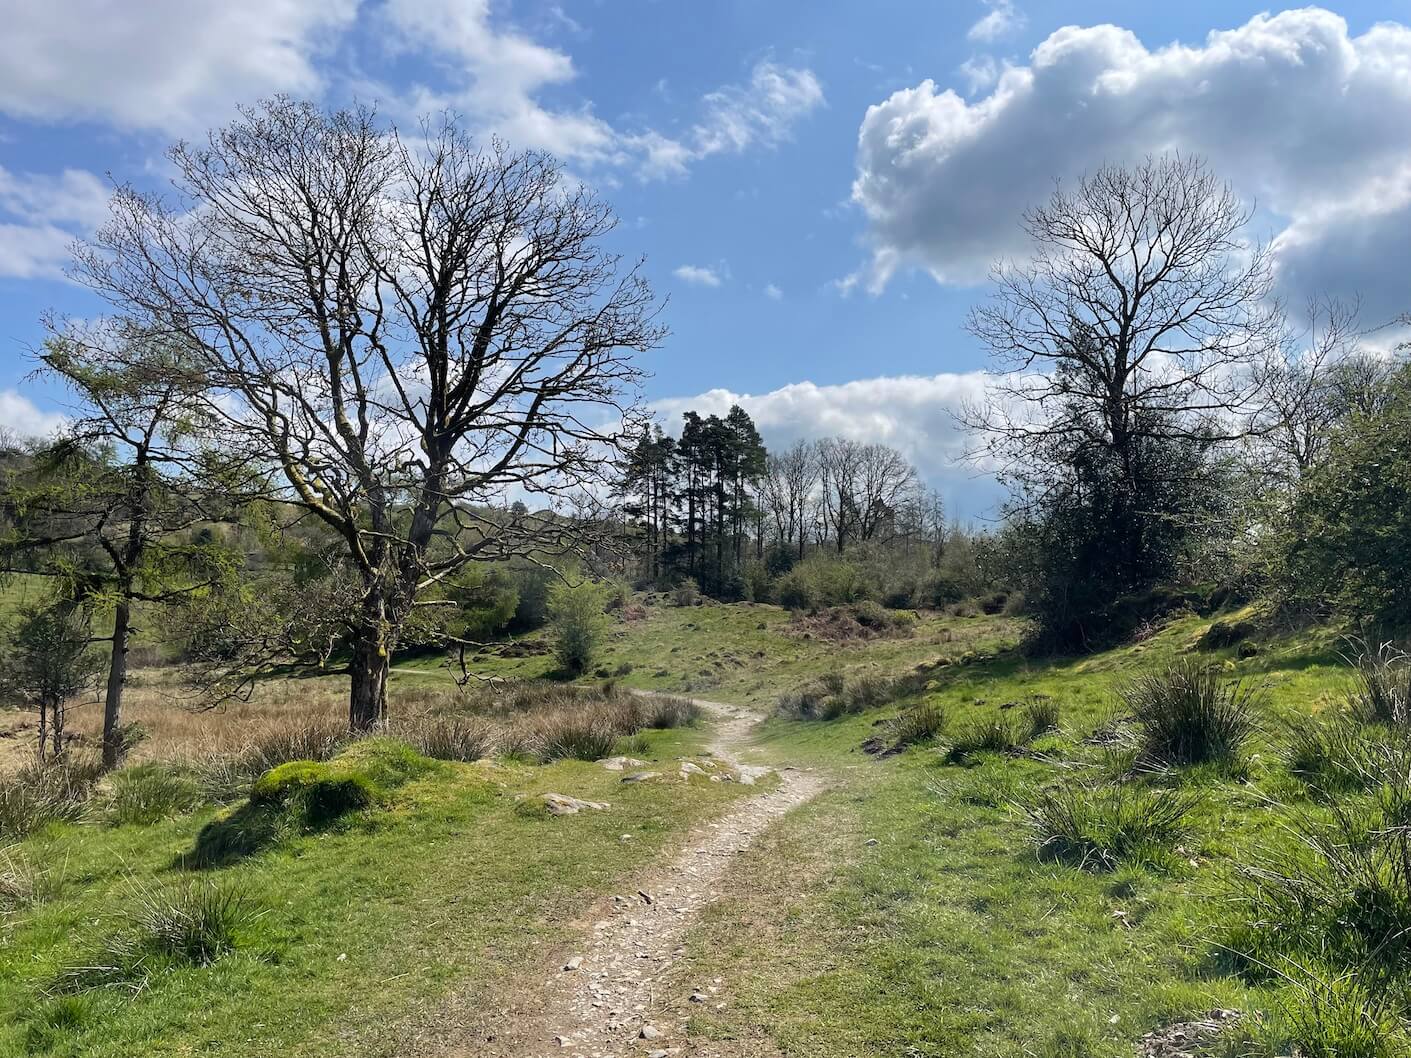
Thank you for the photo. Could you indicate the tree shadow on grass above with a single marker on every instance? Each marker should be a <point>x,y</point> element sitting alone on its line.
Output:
<point>235,837</point>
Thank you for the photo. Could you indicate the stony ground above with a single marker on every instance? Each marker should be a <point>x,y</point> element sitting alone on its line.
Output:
<point>615,995</point>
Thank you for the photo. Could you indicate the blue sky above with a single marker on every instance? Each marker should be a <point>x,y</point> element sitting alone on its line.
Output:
<point>817,187</point>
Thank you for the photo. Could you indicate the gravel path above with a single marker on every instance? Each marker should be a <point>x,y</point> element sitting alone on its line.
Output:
<point>610,999</point>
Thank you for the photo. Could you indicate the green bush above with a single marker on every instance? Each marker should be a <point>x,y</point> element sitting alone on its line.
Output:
<point>578,623</point>
<point>820,581</point>
<point>1098,828</point>
<point>1186,713</point>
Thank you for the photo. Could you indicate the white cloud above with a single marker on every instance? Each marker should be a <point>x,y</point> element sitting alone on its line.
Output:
<point>496,75</point>
<point>41,215</point>
<point>170,65</point>
<point>980,72</point>
<point>761,112</point>
<point>773,293</point>
<point>698,275</point>
<point>1299,114</point>
<point>20,416</point>
<point>1002,19</point>
<point>912,413</point>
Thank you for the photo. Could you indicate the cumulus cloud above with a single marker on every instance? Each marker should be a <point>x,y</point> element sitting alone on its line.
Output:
<point>773,293</point>
<point>40,216</point>
<point>20,416</point>
<point>1002,19</point>
<point>912,413</point>
<point>1302,116</point>
<point>169,65</point>
<point>495,75</point>
<point>699,275</point>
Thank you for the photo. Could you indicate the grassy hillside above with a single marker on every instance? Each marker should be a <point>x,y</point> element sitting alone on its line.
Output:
<point>906,911</point>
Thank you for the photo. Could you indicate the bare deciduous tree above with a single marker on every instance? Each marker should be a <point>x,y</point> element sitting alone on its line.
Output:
<point>1310,381</point>
<point>410,332</point>
<point>1138,317</point>
<point>788,492</point>
<point>862,485</point>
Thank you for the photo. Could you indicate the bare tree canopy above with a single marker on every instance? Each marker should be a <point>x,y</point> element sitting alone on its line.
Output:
<point>1138,315</point>
<point>862,487</point>
<point>406,329</point>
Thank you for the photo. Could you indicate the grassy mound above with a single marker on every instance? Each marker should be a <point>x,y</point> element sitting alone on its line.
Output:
<point>308,794</point>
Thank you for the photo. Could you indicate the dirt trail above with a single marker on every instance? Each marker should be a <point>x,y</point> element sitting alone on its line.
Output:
<point>610,1000</point>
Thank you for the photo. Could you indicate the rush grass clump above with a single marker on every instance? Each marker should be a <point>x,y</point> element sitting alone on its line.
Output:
<point>1099,828</point>
<point>1187,713</point>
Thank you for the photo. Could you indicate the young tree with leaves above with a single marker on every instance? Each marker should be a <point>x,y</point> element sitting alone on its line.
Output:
<point>49,661</point>
<point>110,509</point>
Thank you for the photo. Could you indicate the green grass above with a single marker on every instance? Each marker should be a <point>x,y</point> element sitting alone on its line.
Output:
<point>363,926</point>
<point>909,911</point>
<point>745,654</point>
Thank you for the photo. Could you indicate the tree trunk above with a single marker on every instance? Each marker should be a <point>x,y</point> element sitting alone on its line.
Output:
<point>56,729</point>
<point>367,701</point>
<point>117,679</point>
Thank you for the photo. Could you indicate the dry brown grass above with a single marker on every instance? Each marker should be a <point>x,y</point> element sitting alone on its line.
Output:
<point>308,716</point>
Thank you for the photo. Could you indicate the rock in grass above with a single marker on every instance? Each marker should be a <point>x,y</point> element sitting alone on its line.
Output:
<point>562,805</point>
<point>621,763</point>
<point>641,776</point>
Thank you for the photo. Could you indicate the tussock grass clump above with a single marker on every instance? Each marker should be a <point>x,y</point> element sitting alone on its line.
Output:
<point>40,794</point>
<point>833,696</point>
<point>664,711</point>
<point>458,738</point>
<point>20,881</point>
<point>565,736</point>
<point>1100,827</point>
<point>226,773</point>
<point>1041,715</point>
<point>1381,690</point>
<point>1187,713</point>
<point>1341,1018</point>
<point>1338,754</point>
<point>1342,895</point>
<point>924,723</point>
<point>993,734</point>
<point>148,793</point>
<point>192,924</point>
